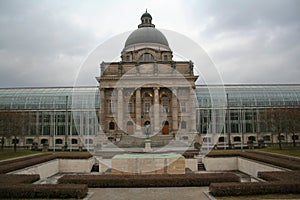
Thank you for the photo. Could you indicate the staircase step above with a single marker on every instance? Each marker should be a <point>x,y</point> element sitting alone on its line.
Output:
<point>201,167</point>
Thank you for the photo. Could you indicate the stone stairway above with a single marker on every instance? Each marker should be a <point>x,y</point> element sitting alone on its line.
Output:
<point>201,167</point>
<point>128,141</point>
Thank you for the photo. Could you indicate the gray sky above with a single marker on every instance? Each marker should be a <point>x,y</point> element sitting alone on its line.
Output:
<point>44,43</point>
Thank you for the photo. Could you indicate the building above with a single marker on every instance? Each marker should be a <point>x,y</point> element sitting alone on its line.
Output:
<point>147,87</point>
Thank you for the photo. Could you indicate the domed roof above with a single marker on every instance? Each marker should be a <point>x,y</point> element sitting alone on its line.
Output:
<point>146,35</point>
<point>146,14</point>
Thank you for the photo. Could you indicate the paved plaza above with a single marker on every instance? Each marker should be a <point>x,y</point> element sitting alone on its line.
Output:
<point>169,193</point>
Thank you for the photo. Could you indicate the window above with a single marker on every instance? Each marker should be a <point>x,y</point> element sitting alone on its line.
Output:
<point>165,58</point>
<point>111,126</point>
<point>29,141</point>
<point>15,141</point>
<point>237,139</point>
<point>111,107</point>
<point>130,108</point>
<point>44,141</point>
<point>183,125</point>
<point>234,116</point>
<point>221,139</point>
<point>129,123</point>
<point>146,57</point>
<point>74,141</point>
<point>251,138</point>
<point>127,58</point>
<point>88,141</point>
<point>165,108</point>
<point>207,139</point>
<point>234,128</point>
<point>295,137</point>
<point>267,138</point>
<point>147,107</point>
<point>58,141</point>
<point>183,107</point>
<point>249,128</point>
<point>281,137</point>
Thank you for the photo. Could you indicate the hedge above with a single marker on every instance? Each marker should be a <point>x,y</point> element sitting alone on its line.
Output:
<point>164,180</point>
<point>43,191</point>
<point>254,188</point>
<point>280,176</point>
<point>278,160</point>
<point>21,163</point>
<point>18,178</point>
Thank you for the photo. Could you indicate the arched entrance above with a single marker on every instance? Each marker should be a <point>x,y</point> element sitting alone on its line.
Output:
<point>165,129</point>
<point>130,127</point>
<point>147,128</point>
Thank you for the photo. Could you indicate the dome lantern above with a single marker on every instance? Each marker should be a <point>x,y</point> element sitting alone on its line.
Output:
<point>146,20</point>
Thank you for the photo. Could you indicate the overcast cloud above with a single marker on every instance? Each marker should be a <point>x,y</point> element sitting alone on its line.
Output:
<point>44,43</point>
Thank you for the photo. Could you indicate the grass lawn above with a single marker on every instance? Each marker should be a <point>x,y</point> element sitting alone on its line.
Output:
<point>291,151</point>
<point>9,153</point>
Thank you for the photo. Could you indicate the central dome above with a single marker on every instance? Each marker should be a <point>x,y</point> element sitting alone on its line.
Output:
<point>146,34</point>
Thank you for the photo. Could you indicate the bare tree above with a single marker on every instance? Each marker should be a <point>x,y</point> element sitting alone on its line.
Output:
<point>275,119</point>
<point>12,124</point>
<point>282,120</point>
<point>292,122</point>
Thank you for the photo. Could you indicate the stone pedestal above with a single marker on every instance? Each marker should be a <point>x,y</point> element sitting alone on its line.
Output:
<point>148,164</point>
<point>148,146</point>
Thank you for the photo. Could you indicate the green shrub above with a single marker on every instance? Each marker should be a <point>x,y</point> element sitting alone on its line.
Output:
<point>43,191</point>
<point>164,180</point>
<point>254,188</point>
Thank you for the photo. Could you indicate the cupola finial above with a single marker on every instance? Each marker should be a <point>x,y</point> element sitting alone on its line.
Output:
<point>146,20</point>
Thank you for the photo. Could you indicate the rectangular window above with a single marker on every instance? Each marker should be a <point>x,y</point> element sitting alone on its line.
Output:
<point>183,107</point>
<point>111,107</point>
<point>147,107</point>
<point>127,58</point>
<point>234,116</point>
<point>165,58</point>
<point>130,108</point>
<point>165,108</point>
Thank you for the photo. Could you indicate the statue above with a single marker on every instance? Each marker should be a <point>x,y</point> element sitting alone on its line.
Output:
<point>147,130</point>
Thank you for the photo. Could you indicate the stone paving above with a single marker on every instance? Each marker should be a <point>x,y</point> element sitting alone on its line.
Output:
<point>167,193</point>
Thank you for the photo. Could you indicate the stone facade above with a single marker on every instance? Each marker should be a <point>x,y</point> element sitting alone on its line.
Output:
<point>147,87</point>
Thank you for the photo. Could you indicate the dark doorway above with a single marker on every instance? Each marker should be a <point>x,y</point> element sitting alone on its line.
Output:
<point>165,129</point>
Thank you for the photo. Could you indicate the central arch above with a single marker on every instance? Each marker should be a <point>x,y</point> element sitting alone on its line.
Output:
<point>165,129</point>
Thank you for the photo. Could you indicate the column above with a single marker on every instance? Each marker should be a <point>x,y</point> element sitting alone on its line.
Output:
<point>174,110</point>
<point>138,110</point>
<point>156,110</point>
<point>192,109</point>
<point>120,109</point>
<point>102,111</point>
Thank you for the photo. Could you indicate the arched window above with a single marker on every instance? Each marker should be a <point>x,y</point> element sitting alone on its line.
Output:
<point>58,141</point>
<point>74,141</point>
<point>129,123</point>
<point>267,138</point>
<point>281,137</point>
<point>295,137</point>
<point>221,139</point>
<point>165,123</point>
<point>146,57</point>
<point>251,138</point>
<point>29,141</point>
<point>15,141</point>
<point>111,126</point>
<point>237,139</point>
<point>44,141</point>
<point>183,125</point>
